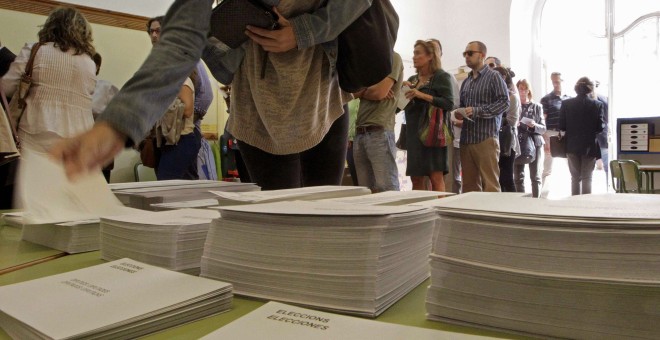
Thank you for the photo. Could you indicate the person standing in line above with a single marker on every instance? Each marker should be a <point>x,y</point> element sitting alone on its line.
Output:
<point>484,99</point>
<point>602,138</point>
<point>507,157</point>
<point>290,123</point>
<point>551,103</point>
<point>103,93</point>
<point>536,126</point>
<point>582,120</point>
<point>430,86</point>
<point>374,146</point>
<point>203,92</point>
<point>353,107</point>
<point>454,154</point>
<point>59,102</point>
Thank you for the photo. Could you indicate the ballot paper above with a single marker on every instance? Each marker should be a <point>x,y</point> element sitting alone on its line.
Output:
<point>582,267</point>
<point>350,258</point>
<point>123,299</point>
<point>278,321</point>
<point>47,195</point>
<point>526,120</point>
<point>303,194</point>
<point>401,100</point>
<point>392,197</point>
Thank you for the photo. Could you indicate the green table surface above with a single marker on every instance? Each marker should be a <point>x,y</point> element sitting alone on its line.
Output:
<point>16,254</point>
<point>408,311</point>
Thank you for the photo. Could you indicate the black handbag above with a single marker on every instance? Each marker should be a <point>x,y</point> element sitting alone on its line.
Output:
<point>366,47</point>
<point>230,17</point>
<point>558,146</point>
<point>402,143</point>
<point>527,147</point>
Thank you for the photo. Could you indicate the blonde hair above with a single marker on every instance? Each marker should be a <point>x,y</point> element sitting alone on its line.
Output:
<point>434,50</point>
<point>68,29</point>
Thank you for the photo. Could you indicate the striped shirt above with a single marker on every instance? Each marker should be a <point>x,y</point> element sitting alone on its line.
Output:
<point>489,97</point>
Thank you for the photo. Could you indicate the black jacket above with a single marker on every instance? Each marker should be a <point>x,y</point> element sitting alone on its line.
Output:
<point>582,118</point>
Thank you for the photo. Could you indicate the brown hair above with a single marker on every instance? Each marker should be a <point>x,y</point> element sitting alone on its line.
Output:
<point>68,29</point>
<point>584,86</point>
<point>434,50</point>
<point>523,82</point>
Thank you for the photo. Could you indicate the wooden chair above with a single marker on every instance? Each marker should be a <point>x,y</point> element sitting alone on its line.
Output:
<point>628,176</point>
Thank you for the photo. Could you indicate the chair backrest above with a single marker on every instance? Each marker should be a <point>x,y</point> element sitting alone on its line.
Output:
<point>631,177</point>
<point>143,173</point>
<point>615,173</point>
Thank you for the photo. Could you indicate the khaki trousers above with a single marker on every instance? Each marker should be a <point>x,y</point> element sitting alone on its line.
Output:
<point>480,169</point>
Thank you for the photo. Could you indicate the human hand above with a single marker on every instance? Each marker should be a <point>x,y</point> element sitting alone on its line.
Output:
<point>280,40</point>
<point>407,83</point>
<point>88,151</point>
<point>414,93</point>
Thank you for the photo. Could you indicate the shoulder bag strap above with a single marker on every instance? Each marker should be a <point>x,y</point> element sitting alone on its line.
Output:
<point>27,75</point>
<point>13,127</point>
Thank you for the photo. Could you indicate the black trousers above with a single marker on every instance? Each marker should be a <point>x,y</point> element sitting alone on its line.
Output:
<point>321,165</point>
<point>506,172</point>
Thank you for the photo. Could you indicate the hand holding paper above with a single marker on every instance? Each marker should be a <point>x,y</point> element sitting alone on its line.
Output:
<point>461,113</point>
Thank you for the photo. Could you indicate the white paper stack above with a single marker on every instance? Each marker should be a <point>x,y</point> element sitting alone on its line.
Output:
<point>13,219</point>
<point>69,237</point>
<point>392,197</point>
<point>144,194</point>
<point>170,239</point>
<point>581,267</point>
<point>301,194</point>
<point>356,259</point>
<point>277,321</point>
<point>123,299</point>
<point>195,204</point>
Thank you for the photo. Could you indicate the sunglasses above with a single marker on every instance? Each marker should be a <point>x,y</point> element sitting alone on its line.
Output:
<point>470,53</point>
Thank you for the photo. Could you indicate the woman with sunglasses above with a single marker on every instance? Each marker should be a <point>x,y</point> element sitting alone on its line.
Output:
<point>430,86</point>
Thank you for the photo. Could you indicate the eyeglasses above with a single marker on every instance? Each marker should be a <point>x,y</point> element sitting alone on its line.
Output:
<point>152,31</point>
<point>470,53</point>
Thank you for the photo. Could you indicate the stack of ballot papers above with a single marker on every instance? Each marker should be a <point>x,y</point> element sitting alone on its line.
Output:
<point>301,194</point>
<point>61,214</point>
<point>392,197</point>
<point>278,321</point>
<point>12,219</point>
<point>170,239</point>
<point>123,299</point>
<point>580,267</point>
<point>143,194</point>
<point>195,204</point>
<point>356,259</point>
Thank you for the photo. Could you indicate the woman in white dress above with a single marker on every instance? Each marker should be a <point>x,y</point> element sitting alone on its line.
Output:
<point>59,102</point>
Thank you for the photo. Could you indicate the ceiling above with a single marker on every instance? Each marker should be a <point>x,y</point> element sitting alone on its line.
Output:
<point>145,8</point>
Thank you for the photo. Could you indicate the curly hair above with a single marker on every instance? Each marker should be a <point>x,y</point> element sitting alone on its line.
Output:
<point>68,29</point>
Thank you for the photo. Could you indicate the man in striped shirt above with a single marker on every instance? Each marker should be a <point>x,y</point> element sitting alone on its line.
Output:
<point>484,98</point>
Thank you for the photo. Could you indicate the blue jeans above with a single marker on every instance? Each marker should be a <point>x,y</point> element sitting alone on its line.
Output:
<point>175,160</point>
<point>375,160</point>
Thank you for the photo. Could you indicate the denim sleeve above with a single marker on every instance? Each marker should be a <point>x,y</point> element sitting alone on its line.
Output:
<point>146,96</point>
<point>327,22</point>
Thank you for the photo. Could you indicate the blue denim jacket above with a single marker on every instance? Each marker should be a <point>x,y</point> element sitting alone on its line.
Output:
<point>145,97</point>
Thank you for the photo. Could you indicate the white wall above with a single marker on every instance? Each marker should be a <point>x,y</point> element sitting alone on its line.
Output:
<point>454,23</point>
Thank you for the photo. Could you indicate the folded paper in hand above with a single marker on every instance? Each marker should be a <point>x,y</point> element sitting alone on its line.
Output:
<point>461,111</point>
